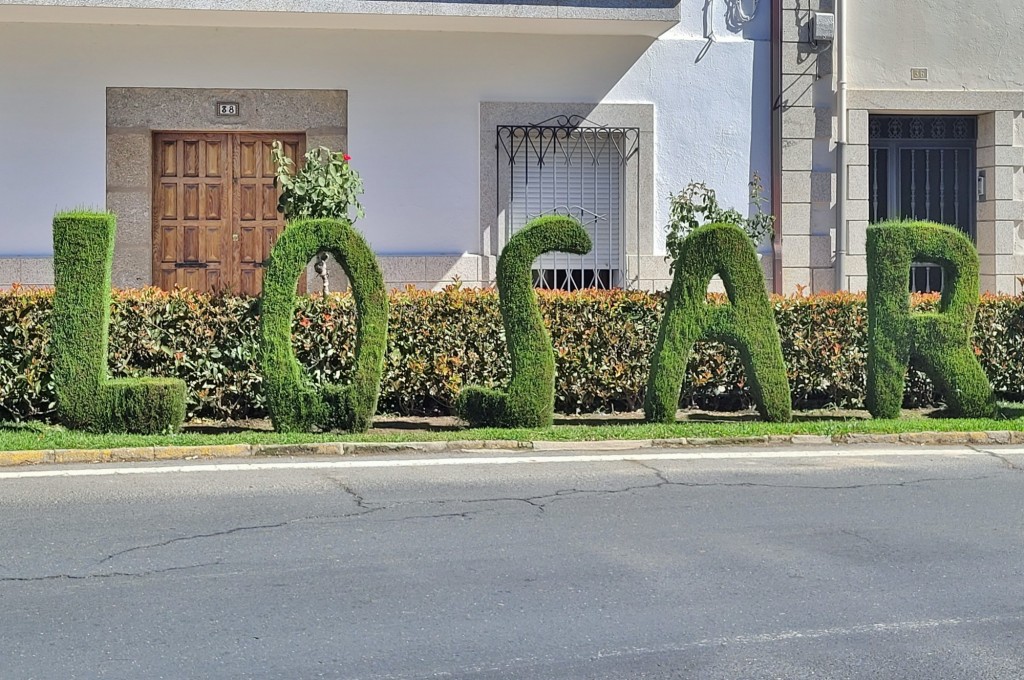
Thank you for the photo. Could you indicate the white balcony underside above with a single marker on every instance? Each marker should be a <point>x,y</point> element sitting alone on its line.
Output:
<point>598,18</point>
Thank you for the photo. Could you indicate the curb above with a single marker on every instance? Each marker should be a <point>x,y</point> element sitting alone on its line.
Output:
<point>159,453</point>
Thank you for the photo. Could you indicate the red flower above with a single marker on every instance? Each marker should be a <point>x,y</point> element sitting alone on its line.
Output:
<point>347,157</point>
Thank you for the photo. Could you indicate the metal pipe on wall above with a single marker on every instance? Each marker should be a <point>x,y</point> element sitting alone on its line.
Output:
<point>839,46</point>
<point>776,153</point>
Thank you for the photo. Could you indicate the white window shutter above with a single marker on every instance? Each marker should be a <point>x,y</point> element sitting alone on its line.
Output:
<point>580,175</point>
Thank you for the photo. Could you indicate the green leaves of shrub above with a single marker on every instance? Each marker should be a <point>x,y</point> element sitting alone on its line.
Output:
<point>940,340</point>
<point>325,186</point>
<point>746,323</point>
<point>530,399</point>
<point>602,341</point>
<point>697,205</point>
<point>83,252</point>
<point>295,404</point>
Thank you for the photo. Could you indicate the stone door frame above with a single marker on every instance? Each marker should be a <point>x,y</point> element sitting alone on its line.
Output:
<point>135,113</point>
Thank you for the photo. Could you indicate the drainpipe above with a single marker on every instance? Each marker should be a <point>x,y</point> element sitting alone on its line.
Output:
<point>776,136</point>
<point>840,48</point>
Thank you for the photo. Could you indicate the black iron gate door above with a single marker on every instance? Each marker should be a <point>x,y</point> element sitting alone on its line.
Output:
<point>924,168</point>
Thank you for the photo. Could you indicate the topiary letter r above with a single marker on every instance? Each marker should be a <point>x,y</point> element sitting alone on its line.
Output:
<point>940,341</point>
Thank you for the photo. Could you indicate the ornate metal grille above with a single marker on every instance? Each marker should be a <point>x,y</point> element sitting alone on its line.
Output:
<point>568,166</point>
<point>922,167</point>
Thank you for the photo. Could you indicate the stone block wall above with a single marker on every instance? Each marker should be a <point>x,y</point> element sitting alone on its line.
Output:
<point>808,153</point>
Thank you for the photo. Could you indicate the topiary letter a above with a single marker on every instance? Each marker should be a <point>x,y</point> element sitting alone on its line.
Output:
<point>748,323</point>
<point>295,405</point>
<point>83,251</point>
<point>940,341</point>
<point>530,400</point>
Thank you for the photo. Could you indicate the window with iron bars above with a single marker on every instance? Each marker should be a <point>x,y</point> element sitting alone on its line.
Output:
<point>923,168</point>
<point>566,166</point>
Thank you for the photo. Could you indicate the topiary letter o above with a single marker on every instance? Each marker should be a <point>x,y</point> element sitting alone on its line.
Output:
<point>940,341</point>
<point>295,405</point>
<point>530,400</point>
<point>748,323</point>
<point>83,250</point>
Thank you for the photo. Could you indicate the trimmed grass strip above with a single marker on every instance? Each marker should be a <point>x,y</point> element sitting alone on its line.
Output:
<point>27,437</point>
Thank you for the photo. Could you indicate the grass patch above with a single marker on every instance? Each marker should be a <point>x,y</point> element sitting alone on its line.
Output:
<point>36,436</point>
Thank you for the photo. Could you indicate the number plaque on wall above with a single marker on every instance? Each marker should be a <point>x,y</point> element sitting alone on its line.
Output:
<point>228,109</point>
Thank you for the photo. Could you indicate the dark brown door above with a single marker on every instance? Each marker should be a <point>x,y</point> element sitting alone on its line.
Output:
<point>192,212</point>
<point>215,215</point>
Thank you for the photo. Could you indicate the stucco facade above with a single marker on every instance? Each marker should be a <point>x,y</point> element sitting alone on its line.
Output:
<point>915,59</point>
<point>419,96</point>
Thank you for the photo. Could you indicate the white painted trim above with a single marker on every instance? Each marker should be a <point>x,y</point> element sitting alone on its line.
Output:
<point>939,101</point>
<point>633,456</point>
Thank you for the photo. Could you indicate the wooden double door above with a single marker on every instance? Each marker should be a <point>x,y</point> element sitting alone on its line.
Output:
<point>215,215</point>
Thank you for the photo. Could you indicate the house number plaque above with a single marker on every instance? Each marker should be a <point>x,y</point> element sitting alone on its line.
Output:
<point>228,109</point>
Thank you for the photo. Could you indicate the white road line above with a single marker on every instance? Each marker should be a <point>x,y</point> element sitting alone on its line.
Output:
<point>107,470</point>
<point>522,666</point>
<point>813,634</point>
<point>871,628</point>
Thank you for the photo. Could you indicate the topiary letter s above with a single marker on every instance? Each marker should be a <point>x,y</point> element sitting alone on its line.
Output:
<point>83,251</point>
<point>295,405</point>
<point>530,400</point>
<point>748,323</point>
<point>940,341</point>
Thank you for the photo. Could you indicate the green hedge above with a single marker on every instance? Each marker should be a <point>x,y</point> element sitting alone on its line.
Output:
<point>530,398</point>
<point>603,342</point>
<point>294,402</point>
<point>83,246</point>
<point>745,323</point>
<point>940,340</point>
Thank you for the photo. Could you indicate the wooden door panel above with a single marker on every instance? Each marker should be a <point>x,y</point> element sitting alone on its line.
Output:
<point>167,158</point>
<point>190,203</point>
<point>247,203</point>
<point>191,215</point>
<point>215,154</point>
<point>190,157</point>
<point>167,243</point>
<point>167,202</point>
<point>258,223</point>
<point>190,246</point>
<point>250,279</point>
<point>215,215</point>
<point>214,203</point>
<point>249,250</point>
<point>269,202</point>
<point>248,155</point>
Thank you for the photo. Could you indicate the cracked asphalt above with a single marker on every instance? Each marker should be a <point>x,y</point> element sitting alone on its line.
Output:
<point>862,566</point>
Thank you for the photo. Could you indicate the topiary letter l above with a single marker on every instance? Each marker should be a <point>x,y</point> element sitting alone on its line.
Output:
<point>940,341</point>
<point>748,323</point>
<point>530,400</point>
<point>83,252</point>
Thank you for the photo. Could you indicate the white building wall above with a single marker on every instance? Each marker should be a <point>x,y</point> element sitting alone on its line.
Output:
<point>973,68</point>
<point>964,46</point>
<point>413,115</point>
<point>973,59</point>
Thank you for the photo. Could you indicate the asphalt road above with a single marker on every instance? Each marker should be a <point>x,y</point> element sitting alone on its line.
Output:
<point>861,566</point>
